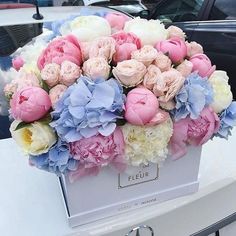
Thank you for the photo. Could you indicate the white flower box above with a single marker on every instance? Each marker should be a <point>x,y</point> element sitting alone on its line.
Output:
<point>109,193</point>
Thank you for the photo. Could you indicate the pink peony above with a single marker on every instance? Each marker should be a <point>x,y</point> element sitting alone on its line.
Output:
<point>162,62</point>
<point>202,65</point>
<point>59,50</point>
<point>141,106</point>
<point>51,74</point>
<point>193,48</point>
<point>96,67</point>
<point>174,31</point>
<point>147,54</point>
<point>30,104</point>
<point>103,47</point>
<point>98,151</point>
<point>126,43</point>
<point>17,63</point>
<point>185,68</point>
<point>168,85</point>
<point>175,47</point>
<point>116,20</point>
<point>56,93</point>
<point>70,72</point>
<point>151,77</point>
<point>129,73</point>
<point>193,132</point>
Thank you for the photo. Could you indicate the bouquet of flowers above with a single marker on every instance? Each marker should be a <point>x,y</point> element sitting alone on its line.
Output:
<point>108,90</point>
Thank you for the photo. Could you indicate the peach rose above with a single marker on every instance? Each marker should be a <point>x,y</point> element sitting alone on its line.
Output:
<point>162,62</point>
<point>168,85</point>
<point>151,77</point>
<point>70,72</point>
<point>174,31</point>
<point>103,47</point>
<point>146,55</point>
<point>56,93</point>
<point>85,48</point>
<point>96,67</point>
<point>185,68</point>
<point>51,74</point>
<point>130,72</point>
<point>193,48</point>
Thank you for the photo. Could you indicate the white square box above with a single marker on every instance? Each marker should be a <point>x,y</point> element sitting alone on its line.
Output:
<point>96,197</point>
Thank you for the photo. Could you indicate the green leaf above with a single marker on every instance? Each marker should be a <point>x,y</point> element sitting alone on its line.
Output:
<point>21,125</point>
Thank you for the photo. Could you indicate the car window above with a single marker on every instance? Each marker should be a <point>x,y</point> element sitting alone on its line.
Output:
<point>223,10</point>
<point>179,10</point>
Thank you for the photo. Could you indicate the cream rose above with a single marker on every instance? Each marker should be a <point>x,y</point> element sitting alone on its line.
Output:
<point>96,67</point>
<point>130,72</point>
<point>149,31</point>
<point>221,89</point>
<point>162,62</point>
<point>35,138</point>
<point>146,55</point>
<point>151,77</point>
<point>174,31</point>
<point>87,28</point>
<point>51,74</point>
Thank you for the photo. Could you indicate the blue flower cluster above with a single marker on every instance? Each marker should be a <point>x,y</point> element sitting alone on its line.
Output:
<point>58,160</point>
<point>227,121</point>
<point>196,94</point>
<point>87,108</point>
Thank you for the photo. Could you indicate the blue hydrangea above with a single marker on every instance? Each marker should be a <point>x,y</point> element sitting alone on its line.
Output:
<point>58,160</point>
<point>87,108</point>
<point>227,121</point>
<point>196,94</point>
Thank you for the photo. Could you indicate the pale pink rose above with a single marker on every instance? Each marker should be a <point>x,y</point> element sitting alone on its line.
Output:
<point>51,74</point>
<point>147,54</point>
<point>116,21</point>
<point>130,72</point>
<point>193,48</point>
<point>126,43</point>
<point>141,106</point>
<point>30,104</point>
<point>96,152</point>
<point>194,132</point>
<point>151,77</point>
<point>175,47</point>
<point>56,93</point>
<point>162,62</point>
<point>103,47</point>
<point>96,67</point>
<point>85,47</point>
<point>17,63</point>
<point>70,72</point>
<point>59,50</point>
<point>27,80</point>
<point>168,85</point>
<point>174,31</point>
<point>185,68</point>
<point>202,65</point>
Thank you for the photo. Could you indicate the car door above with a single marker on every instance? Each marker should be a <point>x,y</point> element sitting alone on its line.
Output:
<point>218,37</point>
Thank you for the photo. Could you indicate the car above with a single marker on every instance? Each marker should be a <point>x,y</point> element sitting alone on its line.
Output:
<point>132,7</point>
<point>210,23</point>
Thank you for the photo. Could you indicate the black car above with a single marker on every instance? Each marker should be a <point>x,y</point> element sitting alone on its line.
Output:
<point>212,23</point>
<point>132,7</point>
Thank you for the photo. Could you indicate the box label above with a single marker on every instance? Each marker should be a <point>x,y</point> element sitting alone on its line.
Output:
<point>138,175</point>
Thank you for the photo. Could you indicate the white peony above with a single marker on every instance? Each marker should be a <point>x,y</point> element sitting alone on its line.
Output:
<point>222,95</point>
<point>35,138</point>
<point>148,31</point>
<point>87,28</point>
<point>145,144</point>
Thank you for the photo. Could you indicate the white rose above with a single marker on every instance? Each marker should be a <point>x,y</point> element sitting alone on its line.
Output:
<point>35,138</point>
<point>149,31</point>
<point>87,28</point>
<point>221,90</point>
